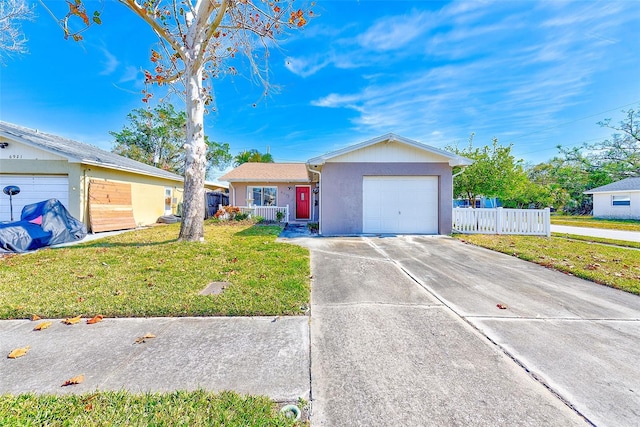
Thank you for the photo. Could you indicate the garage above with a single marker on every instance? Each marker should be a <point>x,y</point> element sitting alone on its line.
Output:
<point>33,189</point>
<point>400,204</point>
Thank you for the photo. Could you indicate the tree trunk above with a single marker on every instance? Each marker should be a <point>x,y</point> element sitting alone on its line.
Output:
<point>192,227</point>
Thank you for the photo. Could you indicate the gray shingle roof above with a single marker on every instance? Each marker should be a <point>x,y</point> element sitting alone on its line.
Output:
<point>627,184</point>
<point>79,152</point>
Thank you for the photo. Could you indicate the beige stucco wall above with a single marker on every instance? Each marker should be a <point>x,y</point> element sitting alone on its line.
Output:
<point>147,193</point>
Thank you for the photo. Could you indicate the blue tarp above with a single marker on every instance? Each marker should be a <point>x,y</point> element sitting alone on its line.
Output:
<point>41,224</point>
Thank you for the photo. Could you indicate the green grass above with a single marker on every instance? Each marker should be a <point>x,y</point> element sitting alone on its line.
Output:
<point>192,409</point>
<point>614,266</point>
<point>604,241</point>
<point>588,221</point>
<point>149,273</point>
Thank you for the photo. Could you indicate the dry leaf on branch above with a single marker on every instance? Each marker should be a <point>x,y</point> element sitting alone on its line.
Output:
<point>72,320</point>
<point>95,319</point>
<point>75,380</point>
<point>18,352</point>
<point>144,338</point>
<point>41,326</point>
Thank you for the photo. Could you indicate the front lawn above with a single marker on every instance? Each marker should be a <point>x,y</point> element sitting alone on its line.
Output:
<point>149,273</point>
<point>591,222</point>
<point>614,266</point>
<point>192,409</point>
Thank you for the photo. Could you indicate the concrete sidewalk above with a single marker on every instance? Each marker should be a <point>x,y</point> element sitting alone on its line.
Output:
<point>629,236</point>
<point>258,355</point>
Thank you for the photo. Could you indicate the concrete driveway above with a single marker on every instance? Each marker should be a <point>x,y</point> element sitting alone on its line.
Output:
<point>407,331</point>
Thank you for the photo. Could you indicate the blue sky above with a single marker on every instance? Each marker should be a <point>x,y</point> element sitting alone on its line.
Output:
<point>532,74</point>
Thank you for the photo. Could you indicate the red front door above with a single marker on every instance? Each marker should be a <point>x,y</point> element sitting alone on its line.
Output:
<point>302,202</point>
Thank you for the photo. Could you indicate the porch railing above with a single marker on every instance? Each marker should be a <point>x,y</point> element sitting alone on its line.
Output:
<point>269,213</point>
<point>533,222</point>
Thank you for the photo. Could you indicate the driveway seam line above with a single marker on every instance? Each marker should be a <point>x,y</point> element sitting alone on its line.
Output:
<point>568,319</point>
<point>533,375</point>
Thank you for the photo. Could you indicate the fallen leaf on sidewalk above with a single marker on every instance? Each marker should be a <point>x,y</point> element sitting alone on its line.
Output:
<point>41,326</point>
<point>95,319</point>
<point>72,320</point>
<point>501,306</point>
<point>18,352</point>
<point>35,317</point>
<point>144,338</point>
<point>75,380</point>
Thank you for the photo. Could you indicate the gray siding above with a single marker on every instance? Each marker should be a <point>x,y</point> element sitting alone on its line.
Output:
<point>341,192</point>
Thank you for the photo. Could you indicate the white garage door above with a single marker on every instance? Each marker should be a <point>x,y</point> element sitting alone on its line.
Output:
<point>33,189</point>
<point>400,204</point>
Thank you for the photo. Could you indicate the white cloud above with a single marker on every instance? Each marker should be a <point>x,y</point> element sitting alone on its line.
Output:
<point>395,32</point>
<point>110,63</point>
<point>130,74</point>
<point>306,67</point>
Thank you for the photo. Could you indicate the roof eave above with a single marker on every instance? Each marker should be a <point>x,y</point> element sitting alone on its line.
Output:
<point>130,170</point>
<point>454,160</point>
<point>232,180</point>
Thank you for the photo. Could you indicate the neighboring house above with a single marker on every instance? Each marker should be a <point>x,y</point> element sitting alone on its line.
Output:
<point>620,200</point>
<point>102,189</point>
<point>275,185</point>
<point>385,185</point>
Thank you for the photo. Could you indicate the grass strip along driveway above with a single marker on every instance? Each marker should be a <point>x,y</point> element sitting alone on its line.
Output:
<point>591,222</point>
<point>148,273</point>
<point>615,266</point>
<point>189,409</point>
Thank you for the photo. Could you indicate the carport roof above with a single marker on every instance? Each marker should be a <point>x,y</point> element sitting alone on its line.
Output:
<point>78,152</point>
<point>627,184</point>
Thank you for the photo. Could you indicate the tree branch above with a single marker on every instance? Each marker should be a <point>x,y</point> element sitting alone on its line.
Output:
<point>155,26</point>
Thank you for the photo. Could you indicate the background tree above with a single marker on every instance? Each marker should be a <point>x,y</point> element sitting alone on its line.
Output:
<point>494,172</point>
<point>619,156</point>
<point>12,39</point>
<point>197,39</point>
<point>252,156</point>
<point>157,136</point>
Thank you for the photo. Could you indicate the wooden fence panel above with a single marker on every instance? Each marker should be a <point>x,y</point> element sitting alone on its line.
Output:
<point>110,206</point>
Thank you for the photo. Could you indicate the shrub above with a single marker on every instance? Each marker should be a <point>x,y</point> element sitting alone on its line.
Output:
<point>241,216</point>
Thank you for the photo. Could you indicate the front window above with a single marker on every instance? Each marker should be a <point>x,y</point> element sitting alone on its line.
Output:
<point>621,200</point>
<point>263,196</point>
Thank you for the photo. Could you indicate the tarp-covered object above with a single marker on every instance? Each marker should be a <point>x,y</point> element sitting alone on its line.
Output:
<point>41,224</point>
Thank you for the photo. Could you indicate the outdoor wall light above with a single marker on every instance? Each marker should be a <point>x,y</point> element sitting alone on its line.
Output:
<point>4,144</point>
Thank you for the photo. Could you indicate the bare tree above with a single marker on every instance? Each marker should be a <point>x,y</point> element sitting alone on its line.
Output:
<point>12,39</point>
<point>197,41</point>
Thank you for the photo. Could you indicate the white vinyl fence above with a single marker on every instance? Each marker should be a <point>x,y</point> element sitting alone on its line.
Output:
<point>533,222</point>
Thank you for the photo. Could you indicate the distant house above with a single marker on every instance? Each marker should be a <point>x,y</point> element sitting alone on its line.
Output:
<point>620,200</point>
<point>102,189</point>
<point>389,184</point>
